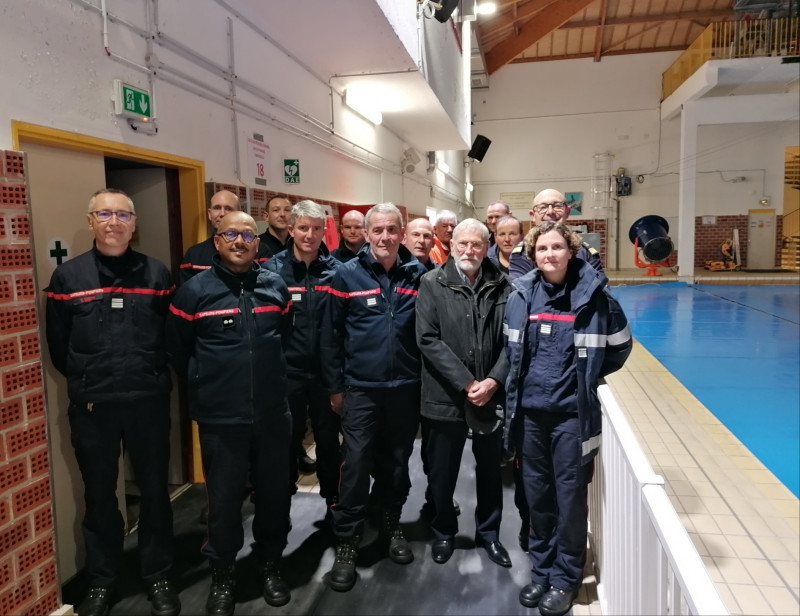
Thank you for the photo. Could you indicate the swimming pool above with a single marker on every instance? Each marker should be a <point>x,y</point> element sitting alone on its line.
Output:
<point>737,350</point>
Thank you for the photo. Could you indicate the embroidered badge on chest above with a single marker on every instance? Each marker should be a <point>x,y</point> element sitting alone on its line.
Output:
<point>117,303</point>
<point>545,329</point>
<point>297,297</point>
<point>372,301</point>
<point>228,321</point>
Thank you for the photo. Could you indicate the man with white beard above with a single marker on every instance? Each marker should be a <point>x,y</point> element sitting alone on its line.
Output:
<point>464,366</point>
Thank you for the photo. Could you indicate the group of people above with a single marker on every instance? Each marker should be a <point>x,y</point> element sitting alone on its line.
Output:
<point>402,326</point>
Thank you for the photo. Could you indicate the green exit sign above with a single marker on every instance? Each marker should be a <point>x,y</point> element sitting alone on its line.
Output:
<point>131,101</point>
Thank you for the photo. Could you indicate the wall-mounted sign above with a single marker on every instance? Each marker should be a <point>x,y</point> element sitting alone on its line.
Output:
<point>259,160</point>
<point>132,102</point>
<point>291,171</point>
<point>57,251</point>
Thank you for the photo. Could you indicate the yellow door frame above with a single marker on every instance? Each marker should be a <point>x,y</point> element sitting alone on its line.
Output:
<point>191,177</point>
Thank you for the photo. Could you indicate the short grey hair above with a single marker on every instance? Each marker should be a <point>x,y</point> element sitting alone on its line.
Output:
<point>446,215</point>
<point>503,203</point>
<point>471,224</point>
<point>110,191</point>
<point>309,209</point>
<point>507,219</point>
<point>383,208</point>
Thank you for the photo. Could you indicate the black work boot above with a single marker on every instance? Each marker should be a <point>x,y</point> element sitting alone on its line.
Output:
<point>220,600</point>
<point>164,599</point>
<point>276,590</point>
<point>97,602</point>
<point>399,550</point>
<point>342,576</point>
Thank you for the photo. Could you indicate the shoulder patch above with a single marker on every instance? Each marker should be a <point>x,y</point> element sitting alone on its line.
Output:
<point>519,248</point>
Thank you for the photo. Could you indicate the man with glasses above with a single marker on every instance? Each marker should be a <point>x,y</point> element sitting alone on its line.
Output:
<point>549,205</point>
<point>459,331</point>
<point>105,333</point>
<point>225,335</point>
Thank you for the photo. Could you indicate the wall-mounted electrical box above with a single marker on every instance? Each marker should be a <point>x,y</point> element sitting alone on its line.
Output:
<point>623,183</point>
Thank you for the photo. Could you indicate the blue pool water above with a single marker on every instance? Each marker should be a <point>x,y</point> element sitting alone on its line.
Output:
<point>737,350</point>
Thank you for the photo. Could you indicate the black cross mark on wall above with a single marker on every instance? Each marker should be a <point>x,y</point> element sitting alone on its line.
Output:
<point>57,253</point>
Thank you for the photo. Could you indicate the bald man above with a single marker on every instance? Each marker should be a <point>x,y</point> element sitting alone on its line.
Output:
<point>198,257</point>
<point>549,205</point>
<point>351,230</point>
<point>419,240</point>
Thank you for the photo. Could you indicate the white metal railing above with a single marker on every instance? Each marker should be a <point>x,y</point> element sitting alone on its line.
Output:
<point>645,562</point>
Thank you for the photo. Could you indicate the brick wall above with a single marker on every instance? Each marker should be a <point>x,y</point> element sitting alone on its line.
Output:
<point>709,238</point>
<point>28,582</point>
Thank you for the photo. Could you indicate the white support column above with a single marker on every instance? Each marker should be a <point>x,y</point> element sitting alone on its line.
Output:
<point>687,192</point>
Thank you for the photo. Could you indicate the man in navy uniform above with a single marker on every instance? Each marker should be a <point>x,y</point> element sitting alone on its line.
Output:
<point>105,331</point>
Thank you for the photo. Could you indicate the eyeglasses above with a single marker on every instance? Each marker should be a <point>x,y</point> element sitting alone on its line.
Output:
<point>559,206</point>
<point>476,246</point>
<point>106,215</point>
<point>230,235</point>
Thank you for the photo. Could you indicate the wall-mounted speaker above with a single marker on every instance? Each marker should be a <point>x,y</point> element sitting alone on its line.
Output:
<point>448,6</point>
<point>479,147</point>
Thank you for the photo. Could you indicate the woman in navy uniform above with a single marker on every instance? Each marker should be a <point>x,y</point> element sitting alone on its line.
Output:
<point>563,332</point>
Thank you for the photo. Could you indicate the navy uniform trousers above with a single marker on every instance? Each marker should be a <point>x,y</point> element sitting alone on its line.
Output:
<point>445,446</point>
<point>231,454</point>
<point>142,426</point>
<point>309,396</point>
<point>556,488</point>
<point>391,415</point>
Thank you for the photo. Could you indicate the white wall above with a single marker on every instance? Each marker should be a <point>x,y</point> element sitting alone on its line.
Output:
<point>57,74</point>
<point>546,121</point>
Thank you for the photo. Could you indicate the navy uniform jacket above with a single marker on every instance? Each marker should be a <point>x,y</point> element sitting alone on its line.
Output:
<point>310,291</point>
<point>599,333</point>
<point>105,326</point>
<point>225,336</point>
<point>368,338</point>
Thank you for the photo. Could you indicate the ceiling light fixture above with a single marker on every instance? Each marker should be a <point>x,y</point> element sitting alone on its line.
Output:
<point>486,8</point>
<point>470,187</point>
<point>362,105</point>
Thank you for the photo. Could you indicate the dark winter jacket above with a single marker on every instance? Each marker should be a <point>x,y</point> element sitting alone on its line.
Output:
<point>310,291</point>
<point>368,337</point>
<point>599,333</point>
<point>225,337</point>
<point>105,326</point>
<point>460,337</point>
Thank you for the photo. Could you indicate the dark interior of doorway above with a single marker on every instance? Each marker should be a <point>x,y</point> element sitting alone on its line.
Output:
<point>111,164</point>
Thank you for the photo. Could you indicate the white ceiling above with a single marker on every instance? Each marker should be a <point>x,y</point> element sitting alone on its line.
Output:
<point>342,41</point>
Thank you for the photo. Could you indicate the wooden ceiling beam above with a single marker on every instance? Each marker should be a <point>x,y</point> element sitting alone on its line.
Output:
<point>576,56</point>
<point>598,34</point>
<point>644,19</point>
<point>557,13</point>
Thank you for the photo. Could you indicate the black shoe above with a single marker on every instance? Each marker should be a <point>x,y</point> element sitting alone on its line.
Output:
<point>456,507</point>
<point>442,550</point>
<point>220,600</point>
<point>342,575</point>
<point>164,599</point>
<point>497,553</point>
<point>306,465</point>
<point>97,602</point>
<point>524,536</point>
<point>530,595</point>
<point>399,550</point>
<point>276,590</point>
<point>556,602</point>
